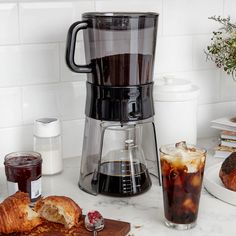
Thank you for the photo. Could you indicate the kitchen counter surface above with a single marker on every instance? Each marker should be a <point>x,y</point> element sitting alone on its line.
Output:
<point>144,212</point>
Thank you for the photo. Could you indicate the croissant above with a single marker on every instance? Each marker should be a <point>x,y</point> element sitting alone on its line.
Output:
<point>59,209</point>
<point>16,215</point>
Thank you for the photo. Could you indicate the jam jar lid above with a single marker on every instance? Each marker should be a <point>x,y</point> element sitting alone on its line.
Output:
<point>23,159</point>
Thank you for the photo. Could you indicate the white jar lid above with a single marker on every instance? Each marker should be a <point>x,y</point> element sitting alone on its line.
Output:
<point>47,127</point>
<point>173,89</point>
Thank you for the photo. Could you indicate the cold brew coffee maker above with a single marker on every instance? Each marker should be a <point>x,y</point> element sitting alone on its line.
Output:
<point>119,148</point>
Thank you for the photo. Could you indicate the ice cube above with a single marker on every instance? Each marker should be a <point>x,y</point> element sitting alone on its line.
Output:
<point>189,204</point>
<point>181,145</point>
<point>196,180</point>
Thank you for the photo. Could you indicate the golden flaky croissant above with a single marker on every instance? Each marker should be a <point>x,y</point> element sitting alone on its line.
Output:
<point>16,215</point>
<point>59,209</point>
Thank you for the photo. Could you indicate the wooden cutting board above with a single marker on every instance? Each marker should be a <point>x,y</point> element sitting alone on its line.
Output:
<point>112,228</point>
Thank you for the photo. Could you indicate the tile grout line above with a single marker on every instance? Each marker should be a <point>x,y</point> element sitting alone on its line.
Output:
<point>22,105</point>
<point>31,124</point>
<point>18,15</point>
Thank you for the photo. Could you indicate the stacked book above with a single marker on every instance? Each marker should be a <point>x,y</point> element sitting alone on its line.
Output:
<point>227,145</point>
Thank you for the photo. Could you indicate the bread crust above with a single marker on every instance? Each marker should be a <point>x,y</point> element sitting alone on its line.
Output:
<point>71,210</point>
<point>227,172</point>
<point>14,214</point>
<point>229,180</point>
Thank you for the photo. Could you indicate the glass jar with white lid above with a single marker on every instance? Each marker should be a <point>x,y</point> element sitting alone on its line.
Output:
<point>47,141</point>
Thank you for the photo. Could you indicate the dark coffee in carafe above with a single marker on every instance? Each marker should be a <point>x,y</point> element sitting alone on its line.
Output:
<point>123,178</point>
<point>122,69</point>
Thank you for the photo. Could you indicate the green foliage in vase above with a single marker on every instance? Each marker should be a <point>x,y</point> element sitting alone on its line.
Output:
<point>222,50</point>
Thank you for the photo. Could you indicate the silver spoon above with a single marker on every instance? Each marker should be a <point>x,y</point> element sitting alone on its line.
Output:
<point>94,222</point>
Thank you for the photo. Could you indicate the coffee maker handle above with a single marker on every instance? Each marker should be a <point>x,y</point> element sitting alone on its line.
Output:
<point>70,48</point>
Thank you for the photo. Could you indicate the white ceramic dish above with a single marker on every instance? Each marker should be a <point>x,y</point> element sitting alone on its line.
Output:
<point>213,185</point>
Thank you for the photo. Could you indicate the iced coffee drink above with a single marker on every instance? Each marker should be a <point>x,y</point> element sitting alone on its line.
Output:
<point>182,168</point>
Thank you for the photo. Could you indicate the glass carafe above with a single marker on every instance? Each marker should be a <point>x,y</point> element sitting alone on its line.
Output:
<point>119,47</point>
<point>123,172</point>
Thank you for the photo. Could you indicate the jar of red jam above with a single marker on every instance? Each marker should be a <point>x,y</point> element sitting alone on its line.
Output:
<point>23,172</point>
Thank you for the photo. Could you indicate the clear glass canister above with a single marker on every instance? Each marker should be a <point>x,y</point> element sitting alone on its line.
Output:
<point>47,141</point>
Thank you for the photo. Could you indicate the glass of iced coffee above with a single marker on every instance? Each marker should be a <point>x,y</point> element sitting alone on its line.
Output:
<point>182,168</point>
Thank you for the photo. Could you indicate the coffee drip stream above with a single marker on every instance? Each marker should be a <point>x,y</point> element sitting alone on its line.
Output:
<point>119,148</point>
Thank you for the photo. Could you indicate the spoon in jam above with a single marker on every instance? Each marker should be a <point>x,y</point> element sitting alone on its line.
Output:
<point>94,222</point>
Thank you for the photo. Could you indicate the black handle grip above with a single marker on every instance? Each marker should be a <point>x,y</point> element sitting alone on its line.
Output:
<point>70,48</point>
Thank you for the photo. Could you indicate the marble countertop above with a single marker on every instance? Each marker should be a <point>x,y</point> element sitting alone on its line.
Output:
<point>144,212</point>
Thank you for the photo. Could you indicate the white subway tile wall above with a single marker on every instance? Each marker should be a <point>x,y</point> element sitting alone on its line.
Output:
<point>230,9</point>
<point>173,54</point>
<point>16,138</point>
<point>35,81</point>
<point>200,43</point>
<point>10,107</point>
<point>9,30</point>
<point>189,17</point>
<point>49,21</point>
<point>29,64</point>
<point>73,132</point>
<point>227,88</point>
<point>40,101</point>
<point>72,100</point>
<point>207,80</point>
<point>66,74</point>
